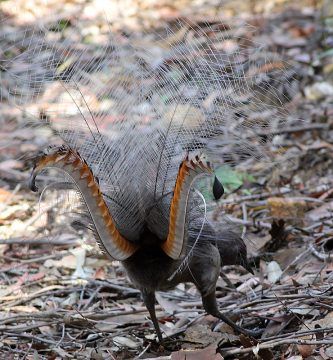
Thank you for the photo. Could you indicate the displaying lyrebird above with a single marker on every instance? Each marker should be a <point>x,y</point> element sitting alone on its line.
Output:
<point>152,263</point>
<point>136,120</point>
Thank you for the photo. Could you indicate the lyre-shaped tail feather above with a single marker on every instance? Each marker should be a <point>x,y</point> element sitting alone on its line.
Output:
<point>107,235</point>
<point>189,171</point>
<point>190,88</point>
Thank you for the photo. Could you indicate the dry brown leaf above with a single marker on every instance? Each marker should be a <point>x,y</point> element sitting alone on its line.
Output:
<point>125,341</point>
<point>304,309</point>
<point>100,274</point>
<point>68,261</point>
<point>276,324</point>
<point>255,242</point>
<point>208,353</point>
<point>287,256</point>
<point>286,209</point>
<point>305,350</point>
<point>11,164</point>
<point>15,211</point>
<point>201,334</point>
<point>320,212</point>
<point>5,195</point>
<point>325,322</point>
<point>48,330</point>
<point>24,308</point>
<point>329,352</point>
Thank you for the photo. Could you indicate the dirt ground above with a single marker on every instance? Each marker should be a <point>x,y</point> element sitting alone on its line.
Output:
<point>61,299</point>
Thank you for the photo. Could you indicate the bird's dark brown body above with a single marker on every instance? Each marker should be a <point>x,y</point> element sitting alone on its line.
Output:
<point>150,270</point>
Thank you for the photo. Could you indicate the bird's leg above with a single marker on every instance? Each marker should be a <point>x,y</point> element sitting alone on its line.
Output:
<point>210,305</point>
<point>205,282</point>
<point>149,300</point>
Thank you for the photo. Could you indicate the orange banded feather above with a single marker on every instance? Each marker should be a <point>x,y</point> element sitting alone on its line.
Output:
<point>70,161</point>
<point>189,170</point>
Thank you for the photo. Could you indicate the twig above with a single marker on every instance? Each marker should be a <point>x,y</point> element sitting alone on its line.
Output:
<point>262,195</point>
<point>244,211</point>
<point>35,260</point>
<point>292,129</point>
<point>143,351</point>
<point>300,333</point>
<point>30,337</point>
<point>40,315</point>
<point>42,292</point>
<point>319,255</point>
<point>19,329</point>
<point>257,224</point>
<point>23,241</point>
<point>271,345</point>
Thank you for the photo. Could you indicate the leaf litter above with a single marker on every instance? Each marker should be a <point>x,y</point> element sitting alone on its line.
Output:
<point>60,298</point>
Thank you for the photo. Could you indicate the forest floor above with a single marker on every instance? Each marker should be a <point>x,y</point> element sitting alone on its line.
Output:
<point>61,300</point>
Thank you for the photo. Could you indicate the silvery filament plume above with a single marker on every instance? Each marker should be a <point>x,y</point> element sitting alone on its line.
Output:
<point>135,108</point>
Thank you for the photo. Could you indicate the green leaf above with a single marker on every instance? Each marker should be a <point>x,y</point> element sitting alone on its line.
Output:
<point>326,53</point>
<point>230,179</point>
<point>61,25</point>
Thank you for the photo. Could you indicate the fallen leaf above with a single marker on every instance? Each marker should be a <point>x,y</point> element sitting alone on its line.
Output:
<point>100,274</point>
<point>256,242</point>
<point>276,324</point>
<point>201,334</point>
<point>5,195</point>
<point>24,309</point>
<point>318,91</point>
<point>208,353</point>
<point>64,354</point>
<point>70,300</point>
<point>11,164</point>
<point>169,306</point>
<point>286,208</point>
<point>305,350</point>
<point>320,212</point>
<point>304,309</point>
<point>329,352</point>
<point>325,322</point>
<point>15,211</point>
<point>287,256</point>
<point>67,261</point>
<point>125,341</point>
<point>274,272</point>
<point>80,257</point>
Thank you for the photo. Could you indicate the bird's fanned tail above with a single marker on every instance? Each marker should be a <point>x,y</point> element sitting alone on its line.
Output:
<point>133,110</point>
